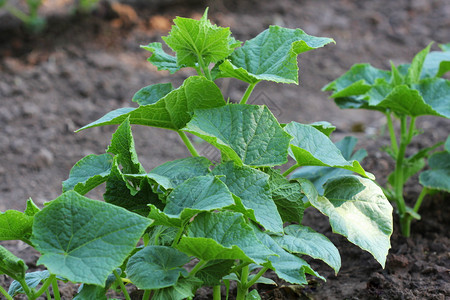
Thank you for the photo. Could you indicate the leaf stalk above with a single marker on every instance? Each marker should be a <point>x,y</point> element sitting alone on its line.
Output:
<point>188,143</point>
<point>247,93</point>
<point>7,296</point>
<point>290,170</point>
<point>122,286</point>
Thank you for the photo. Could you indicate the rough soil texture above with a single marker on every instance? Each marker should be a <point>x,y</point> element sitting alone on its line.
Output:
<point>83,67</point>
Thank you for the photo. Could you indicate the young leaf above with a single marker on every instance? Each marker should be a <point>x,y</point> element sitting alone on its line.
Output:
<point>310,147</point>
<point>438,178</point>
<point>152,93</point>
<point>197,41</point>
<point>161,59</point>
<point>287,197</point>
<point>87,173</point>
<point>272,55</point>
<point>31,208</point>
<point>303,240</point>
<point>15,225</point>
<point>172,111</point>
<point>11,265</point>
<point>320,175</point>
<point>415,69</point>
<point>182,169</point>
<point>122,145</point>
<point>252,187</point>
<point>32,280</point>
<point>324,127</point>
<point>156,267</point>
<point>84,240</point>
<point>358,210</point>
<point>224,235</point>
<point>286,265</point>
<point>247,134</point>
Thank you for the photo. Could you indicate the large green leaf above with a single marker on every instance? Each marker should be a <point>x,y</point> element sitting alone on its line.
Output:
<point>304,240</point>
<point>320,175</point>
<point>224,235</point>
<point>11,265</point>
<point>172,111</point>
<point>287,197</point>
<point>84,240</point>
<point>272,55</point>
<point>358,210</point>
<point>310,147</point>
<point>286,265</point>
<point>438,177</point>
<point>247,134</point>
<point>152,93</point>
<point>252,187</point>
<point>199,40</point>
<point>87,173</point>
<point>156,267</point>
<point>161,59</point>
<point>122,145</point>
<point>436,93</point>
<point>182,169</point>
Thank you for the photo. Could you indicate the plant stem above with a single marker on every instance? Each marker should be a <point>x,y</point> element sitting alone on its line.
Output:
<point>422,195</point>
<point>248,92</point>
<point>392,132</point>
<point>242,286</point>
<point>178,236</point>
<point>406,223</point>
<point>237,268</point>
<point>147,295</point>
<point>204,68</point>
<point>256,277</point>
<point>122,286</point>
<point>188,143</point>
<point>44,287</point>
<point>55,288</point>
<point>5,293</point>
<point>198,267</point>
<point>216,293</point>
<point>290,170</point>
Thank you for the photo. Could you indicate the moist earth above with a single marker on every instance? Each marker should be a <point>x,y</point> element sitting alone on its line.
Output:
<point>83,66</point>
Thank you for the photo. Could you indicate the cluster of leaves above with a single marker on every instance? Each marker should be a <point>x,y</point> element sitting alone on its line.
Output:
<point>32,20</point>
<point>230,220</point>
<point>404,93</point>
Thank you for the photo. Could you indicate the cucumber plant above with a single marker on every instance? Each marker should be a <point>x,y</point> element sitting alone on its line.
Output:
<point>192,222</point>
<point>402,94</point>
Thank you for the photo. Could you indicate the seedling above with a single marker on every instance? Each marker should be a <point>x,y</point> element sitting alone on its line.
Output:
<point>404,93</point>
<point>32,20</point>
<point>231,220</point>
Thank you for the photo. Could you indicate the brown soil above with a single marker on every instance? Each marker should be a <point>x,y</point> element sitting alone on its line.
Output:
<point>84,66</point>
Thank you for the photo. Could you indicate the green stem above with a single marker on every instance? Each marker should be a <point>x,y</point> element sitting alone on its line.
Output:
<point>18,13</point>
<point>44,287</point>
<point>188,143</point>
<point>406,222</point>
<point>197,267</point>
<point>392,132</point>
<point>122,286</point>
<point>256,277</point>
<point>145,239</point>
<point>47,293</point>
<point>55,289</point>
<point>398,173</point>
<point>199,70</point>
<point>242,286</point>
<point>238,268</point>
<point>248,92</point>
<point>7,296</point>
<point>147,295</point>
<point>205,69</point>
<point>178,236</point>
<point>216,293</point>
<point>422,195</point>
<point>412,126</point>
<point>290,170</point>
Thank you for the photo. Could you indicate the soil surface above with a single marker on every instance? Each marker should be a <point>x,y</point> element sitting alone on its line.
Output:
<point>82,67</point>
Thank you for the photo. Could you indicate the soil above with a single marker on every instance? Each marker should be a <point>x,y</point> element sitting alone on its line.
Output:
<point>81,67</point>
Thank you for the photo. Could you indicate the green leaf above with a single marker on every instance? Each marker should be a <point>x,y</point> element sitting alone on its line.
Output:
<point>286,265</point>
<point>15,225</point>
<point>304,240</point>
<point>252,187</point>
<point>212,272</point>
<point>436,64</point>
<point>438,178</point>
<point>197,41</point>
<point>87,173</point>
<point>11,265</point>
<point>152,93</point>
<point>118,193</point>
<point>445,47</point>
<point>254,295</point>
<point>84,240</point>
<point>324,127</point>
<point>224,235</point>
<point>287,197</point>
<point>247,134</point>
<point>357,81</point>
<point>310,147</point>
<point>413,75</point>
<point>436,93</point>
<point>181,290</point>
<point>32,280</point>
<point>172,111</point>
<point>161,59</point>
<point>90,291</point>
<point>272,55</point>
<point>358,210</point>
<point>202,193</point>
<point>180,170</point>
<point>396,77</point>
<point>320,175</point>
<point>156,267</point>
<point>31,208</point>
